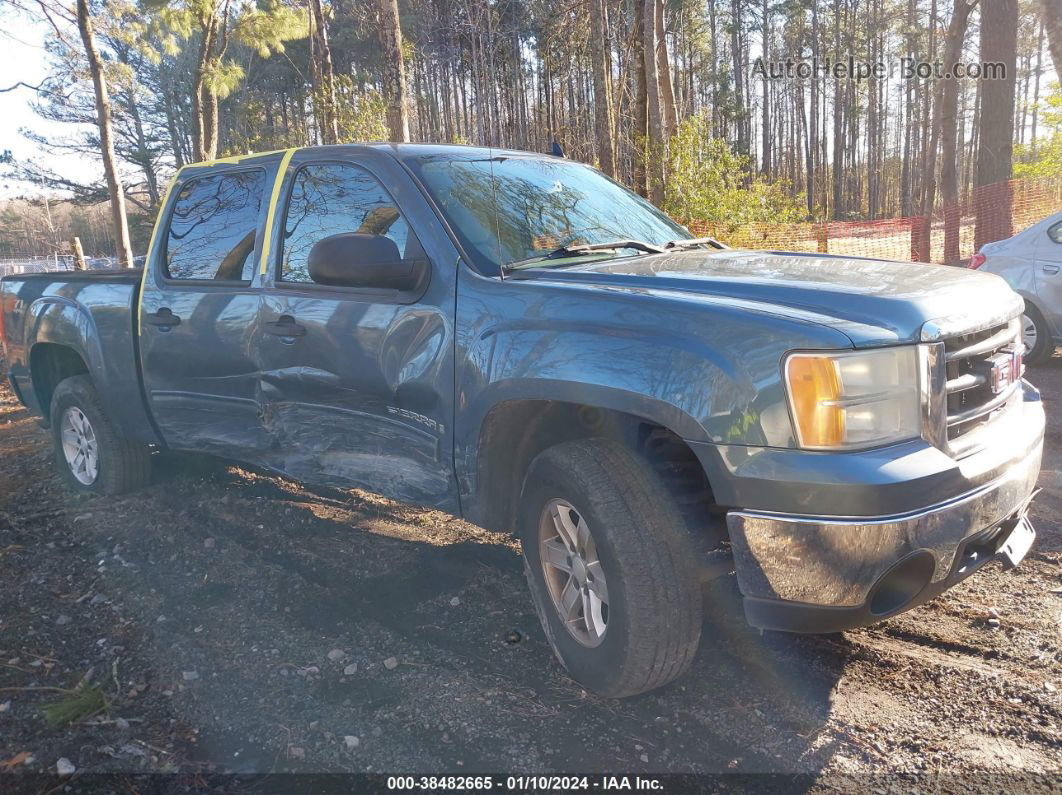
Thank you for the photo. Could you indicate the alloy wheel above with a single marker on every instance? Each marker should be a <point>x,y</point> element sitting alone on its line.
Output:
<point>79,446</point>
<point>1029,334</point>
<point>573,572</point>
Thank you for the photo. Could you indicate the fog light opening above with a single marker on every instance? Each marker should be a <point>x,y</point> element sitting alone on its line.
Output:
<point>902,583</point>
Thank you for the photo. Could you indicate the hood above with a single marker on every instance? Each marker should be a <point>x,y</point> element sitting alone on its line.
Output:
<point>875,302</point>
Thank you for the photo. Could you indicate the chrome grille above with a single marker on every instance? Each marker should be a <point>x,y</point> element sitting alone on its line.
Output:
<point>972,399</point>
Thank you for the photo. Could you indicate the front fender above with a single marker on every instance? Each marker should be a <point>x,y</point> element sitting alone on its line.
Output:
<point>705,369</point>
<point>708,376</point>
<point>628,375</point>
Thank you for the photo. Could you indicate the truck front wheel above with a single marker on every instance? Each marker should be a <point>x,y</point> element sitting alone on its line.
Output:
<point>90,454</point>
<point>611,567</point>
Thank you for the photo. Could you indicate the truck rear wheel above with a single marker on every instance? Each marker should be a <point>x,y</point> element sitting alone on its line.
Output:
<point>89,452</point>
<point>611,567</point>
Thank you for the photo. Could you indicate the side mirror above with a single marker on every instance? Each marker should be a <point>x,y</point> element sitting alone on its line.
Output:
<point>354,259</point>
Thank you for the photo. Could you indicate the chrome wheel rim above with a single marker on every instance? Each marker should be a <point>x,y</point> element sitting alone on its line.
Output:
<point>1029,335</point>
<point>573,572</point>
<point>79,446</point>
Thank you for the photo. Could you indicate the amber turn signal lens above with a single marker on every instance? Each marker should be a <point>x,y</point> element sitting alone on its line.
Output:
<point>815,388</point>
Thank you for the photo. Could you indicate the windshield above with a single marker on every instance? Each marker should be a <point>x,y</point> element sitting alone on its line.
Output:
<point>536,204</point>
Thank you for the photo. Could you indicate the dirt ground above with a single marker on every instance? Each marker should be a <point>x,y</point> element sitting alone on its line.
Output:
<point>234,621</point>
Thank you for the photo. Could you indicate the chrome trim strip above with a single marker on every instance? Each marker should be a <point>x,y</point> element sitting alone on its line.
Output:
<point>862,400</point>
<point>998,340</point>
<point>964,382</point>
<point>998,401</point>
<point>933,377</point>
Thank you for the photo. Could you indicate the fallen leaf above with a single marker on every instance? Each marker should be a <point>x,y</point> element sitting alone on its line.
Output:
<point>16,760</point>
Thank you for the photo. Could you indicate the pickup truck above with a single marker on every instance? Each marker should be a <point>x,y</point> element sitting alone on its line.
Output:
<point>520,341</point>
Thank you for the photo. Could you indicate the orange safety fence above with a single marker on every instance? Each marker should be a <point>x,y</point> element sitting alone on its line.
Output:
<point>951,234</point>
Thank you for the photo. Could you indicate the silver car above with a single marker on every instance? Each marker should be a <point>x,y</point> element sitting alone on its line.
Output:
<point>1031,262</point>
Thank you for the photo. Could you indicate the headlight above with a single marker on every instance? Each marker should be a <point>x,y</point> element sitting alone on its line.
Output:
<point>854,399</point>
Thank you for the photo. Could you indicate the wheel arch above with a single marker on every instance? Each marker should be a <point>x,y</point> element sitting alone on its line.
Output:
<point>50,363</point>
<point>1034,300</point>
<point>513,432</point>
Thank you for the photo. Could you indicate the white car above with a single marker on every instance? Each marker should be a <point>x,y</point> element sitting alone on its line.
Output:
<point>1031,262</point>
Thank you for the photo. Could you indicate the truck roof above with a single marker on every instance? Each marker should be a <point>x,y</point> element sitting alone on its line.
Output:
<point>400,151</point>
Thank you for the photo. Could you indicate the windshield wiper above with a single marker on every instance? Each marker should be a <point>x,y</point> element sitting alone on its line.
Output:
<point>583,249</point>
<point>696,241</point>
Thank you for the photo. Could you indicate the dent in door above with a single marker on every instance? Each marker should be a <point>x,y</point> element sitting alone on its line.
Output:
<point>390,434</point>
<point>203,374</point>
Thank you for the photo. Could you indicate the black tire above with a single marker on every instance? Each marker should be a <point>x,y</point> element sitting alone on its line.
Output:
<point>654,595</point>
<point>123,465</point>
<point>1044,348</point>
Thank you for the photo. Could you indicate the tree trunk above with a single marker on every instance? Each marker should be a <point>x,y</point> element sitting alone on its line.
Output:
<point>999,42</point>
<point>813,112</point>
<point>713,56</point>
<point>873,118</point>
<point>1051,11</point>
<point>655,142</point>
<point>394,71</point>
<point>201,130</point>
<point>739,95</point>
<point>663,70</point>
<point>323,75</point>
<point>640,130</point>
<point>143,156</point>
<point>210,123</point>
<point>838,127</point>
<point>929,92</point>
<point>906,178</point>
<point>601,53</point>
<point>176,140</point>
<point>949,129</point>
<point>103,120</point>
<point>765,123</point>
<point>79,254</point>
<point>1036,86</point>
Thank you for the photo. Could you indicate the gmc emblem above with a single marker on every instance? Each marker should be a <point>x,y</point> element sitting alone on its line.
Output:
<point>1005,368</point>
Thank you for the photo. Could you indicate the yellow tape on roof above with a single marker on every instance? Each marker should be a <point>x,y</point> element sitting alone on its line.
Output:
<point>273,199</point>
<point>234,159</point>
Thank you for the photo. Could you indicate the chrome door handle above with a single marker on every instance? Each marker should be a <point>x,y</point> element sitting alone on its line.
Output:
<point>1050,268</point>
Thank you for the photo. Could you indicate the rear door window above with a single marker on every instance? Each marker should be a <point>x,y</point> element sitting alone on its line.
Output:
<point>213,226</point>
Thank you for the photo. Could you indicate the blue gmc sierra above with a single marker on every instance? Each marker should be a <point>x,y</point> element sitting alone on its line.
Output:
<point>519,340</point>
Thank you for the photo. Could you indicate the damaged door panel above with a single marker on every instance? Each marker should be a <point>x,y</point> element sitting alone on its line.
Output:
<point>199,313</point>
<point>356,382</point>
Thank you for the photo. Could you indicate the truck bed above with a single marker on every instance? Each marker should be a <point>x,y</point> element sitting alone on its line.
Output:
<point>92,313</point>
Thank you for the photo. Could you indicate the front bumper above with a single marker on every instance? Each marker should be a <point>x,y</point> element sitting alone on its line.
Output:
<point>825,574</point>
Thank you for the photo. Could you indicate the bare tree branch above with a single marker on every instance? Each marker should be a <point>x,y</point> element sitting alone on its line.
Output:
<point>19,84</point>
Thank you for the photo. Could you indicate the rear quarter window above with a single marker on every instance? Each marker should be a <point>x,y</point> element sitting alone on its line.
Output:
<point>211,234</point>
